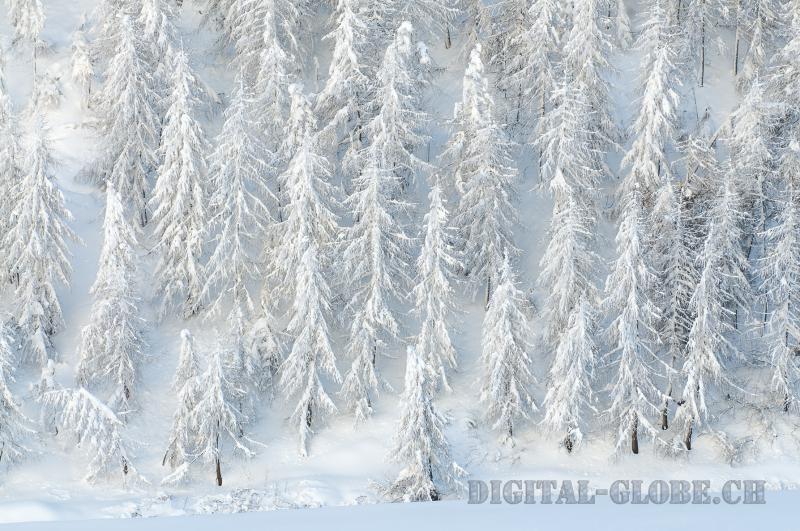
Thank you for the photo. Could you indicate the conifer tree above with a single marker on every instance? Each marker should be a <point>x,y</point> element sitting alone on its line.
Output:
<point>722,290</point>
<point>180,209</point>
<point>779,271</point>
<point>181,434</point>
<point>82,68</point>
<point>128,105</point>
<point>569,400</point>
<point>420,444</point>
<point>216,417</point>
<point>111,345</point>
<point>646,162</point>
<point>484,175</point>
<point>342,100</point>
<point>13,423</point>
<point>240,218</point>
<point>303,260</point>
<point>433,292</point>
<point>37,254</point>
<point>571,170</point>
<point>27,19</point>
<point>506,343</point>
<point>395,131</point>
<point>376,258</point>
<point>634,396</point>
<point>97,430</point>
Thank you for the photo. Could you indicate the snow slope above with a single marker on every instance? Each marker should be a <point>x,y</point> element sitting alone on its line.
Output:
<point>343,462</point>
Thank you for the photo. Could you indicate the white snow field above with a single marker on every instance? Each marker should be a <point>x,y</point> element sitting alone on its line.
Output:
<point>456,515</point>
<point>340,483</point>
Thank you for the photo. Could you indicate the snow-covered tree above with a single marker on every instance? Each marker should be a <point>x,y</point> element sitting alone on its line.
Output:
<point>157,22</point>
<point>531,69</point>
<point>672,248</point>
<point>701,25</point>
<point>433,15</point>
<point>780,273</point>
<point>722,290</point>
<point>217,418</point>
<point>585,63</point>
<point>13,423</point>
<point>128,105</point>
<point>759,22</point>
<point>571,169</point>
<point>238,175</point>
<point>36,248</point>
<point>275,73</point>
<point>341,103</point>
<point>569,400</point>
<point>10,164</point>
<point>634,395</point>
<point>420,443</point>
<point>97,430</point>
<point>27,19</point>
<point>646,163</point>
<point>376,260</point>
<point>484,175</point>
<point>505,347</point>
<point>82,67</point>
<point>111,344</point>
<point>180,209</point>
<point>433,292</point>
<point>750,141</point>
<point>395,131</point>
<point>181,435</point>
<point>266,28</point>
<point>302,266</point>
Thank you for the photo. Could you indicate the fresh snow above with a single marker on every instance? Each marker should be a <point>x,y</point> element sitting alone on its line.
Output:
<point>332,463</point>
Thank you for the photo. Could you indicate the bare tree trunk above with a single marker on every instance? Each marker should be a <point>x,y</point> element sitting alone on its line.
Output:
<point>569,444</point>
<point>219,473</point>
<point>702,53</point>
<point>687,440</point>
<point>635,436</point>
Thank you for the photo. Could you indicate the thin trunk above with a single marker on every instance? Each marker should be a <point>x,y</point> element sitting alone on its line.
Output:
<point>448,42</point>
<point>635,436</point>
<point>216,458</point>
<point>569,444</point>
<point>702,53</point>
<point>687,440</point>
<point>738,39</point>
<point>488,291</point>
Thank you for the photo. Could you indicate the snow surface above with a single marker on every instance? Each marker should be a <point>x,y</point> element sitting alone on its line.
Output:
<point>460,516</point>
<point>343,462</point>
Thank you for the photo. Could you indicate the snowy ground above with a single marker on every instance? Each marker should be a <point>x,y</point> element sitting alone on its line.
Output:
<point>458,515</point>
<point>344,464</point>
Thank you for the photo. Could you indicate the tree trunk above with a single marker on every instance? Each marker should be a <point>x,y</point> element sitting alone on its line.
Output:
<point>635,436</point>
<point>488,291</point>
<point>738,39</point>
<point>687,440</point>
<point>569,444</point>
<point>702,53</point>
<point>219,473</point>
<point>448,41</point>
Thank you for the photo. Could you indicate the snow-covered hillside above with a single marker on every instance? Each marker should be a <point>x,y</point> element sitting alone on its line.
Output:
<point>325,195</point>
